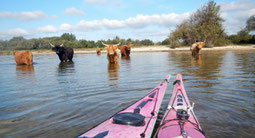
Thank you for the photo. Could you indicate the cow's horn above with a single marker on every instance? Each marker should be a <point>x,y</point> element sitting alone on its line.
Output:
<point>51,45</point>
<point>117,44</point>
<point>61,45</point>
<point>104,44</point>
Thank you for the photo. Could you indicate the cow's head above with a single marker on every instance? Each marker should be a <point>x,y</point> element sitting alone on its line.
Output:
<point>111,49</point>
<point>128,46</point>
<point>196,45</point>
<point>200,44</point>
<point>58,48</point>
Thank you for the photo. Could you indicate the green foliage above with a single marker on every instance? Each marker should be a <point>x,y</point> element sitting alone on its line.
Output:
<point>166,42</point>
<point>146,42</point>
<point>129,41</point>
<point>242,37</point>
<point>204,25</point>
<point>250,23</point>
<point>68,37</point>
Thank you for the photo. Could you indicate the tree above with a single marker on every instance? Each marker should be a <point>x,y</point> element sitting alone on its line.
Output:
<point>136,42</point>
<point>115,40</point>
<point>204,25</point>
<point>250,23</point>
<point>68,37</point>
<point>91,44</point>
<point>242,37</point>
<point>16,43</point>
<point>3,45</point>
<point>129,41</point>
<point>99,44</point>
<point>146,42</point>
<point>165,42</point>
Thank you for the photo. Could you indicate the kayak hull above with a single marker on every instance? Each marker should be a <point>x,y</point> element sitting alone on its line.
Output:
<point>146,109</point>
<point>179,120</point>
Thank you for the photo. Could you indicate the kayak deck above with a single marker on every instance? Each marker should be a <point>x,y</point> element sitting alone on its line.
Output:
<point>135,121</point>
<point>179,120</point>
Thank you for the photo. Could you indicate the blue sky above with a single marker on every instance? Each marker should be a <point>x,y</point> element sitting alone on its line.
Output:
<point>105,19</point>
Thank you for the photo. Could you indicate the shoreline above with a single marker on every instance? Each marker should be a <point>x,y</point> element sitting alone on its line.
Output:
<point>167,49</point>
<point>143,49</point>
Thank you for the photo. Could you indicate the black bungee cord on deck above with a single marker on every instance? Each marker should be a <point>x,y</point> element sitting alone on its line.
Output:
<point>181,122</point>
<point>152,113</point>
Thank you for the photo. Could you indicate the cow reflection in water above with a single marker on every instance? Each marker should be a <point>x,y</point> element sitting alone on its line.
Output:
<point>126,58</point>
<point>65,68</point>
<point>113,74</point>
<point>24,70</point>
<point>196,61</point>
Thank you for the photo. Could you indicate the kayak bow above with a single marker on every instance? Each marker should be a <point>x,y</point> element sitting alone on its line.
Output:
<point>179,120</point>
<point>135,121</point>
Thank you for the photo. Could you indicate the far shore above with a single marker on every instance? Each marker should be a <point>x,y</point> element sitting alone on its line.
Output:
<point>143,49</point>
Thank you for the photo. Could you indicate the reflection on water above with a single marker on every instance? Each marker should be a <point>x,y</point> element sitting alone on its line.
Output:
<point>205,67</point>
<point>196,61</point>
<point>125,57</point>
<point>113,74</point>
<point>66,68</point>
<point>52,99</point>
<point>23,70</point>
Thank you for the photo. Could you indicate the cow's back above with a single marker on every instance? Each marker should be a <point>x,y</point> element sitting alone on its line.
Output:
<point>23,57</point>
<point>123,50</point>
<point>70,53</point>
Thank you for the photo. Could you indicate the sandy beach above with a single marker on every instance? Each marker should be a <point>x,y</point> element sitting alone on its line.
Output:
<point>153,49</point>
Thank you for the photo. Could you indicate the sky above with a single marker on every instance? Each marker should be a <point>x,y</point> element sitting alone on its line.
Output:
<point>106,19</point>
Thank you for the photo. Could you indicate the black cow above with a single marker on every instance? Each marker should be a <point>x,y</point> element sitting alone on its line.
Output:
<point>64,53</point>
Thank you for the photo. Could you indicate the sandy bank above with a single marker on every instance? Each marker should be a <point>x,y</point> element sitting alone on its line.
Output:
<point>153,49</point>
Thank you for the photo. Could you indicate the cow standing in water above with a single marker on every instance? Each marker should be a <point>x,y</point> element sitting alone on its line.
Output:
<point>196,48</point>
<point>125,50</point>
<point>23,57</point>
<point>98,51</point>
<point>112,54</point>
<point>64,53</point>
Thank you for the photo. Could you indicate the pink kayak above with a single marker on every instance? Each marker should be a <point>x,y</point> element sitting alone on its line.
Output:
<point>179,120</point>
<point>135,121</point>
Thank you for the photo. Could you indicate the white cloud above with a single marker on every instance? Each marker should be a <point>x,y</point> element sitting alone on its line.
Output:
<point>17,32</point>
<point>13,32</point>
<point>112,24</point>
<point>236,13</point>
<point>96,1</point>
<point>47,29</point>
<point>23,16</point>
<point>166,20</point>
<point>135,25</point>
<point>237,5</point>
<point>54,16</point>
<point>88,25</point>
<point>117,2</point>
<point>74,12</point>
<point>65,27</point>
<point>140,21</point>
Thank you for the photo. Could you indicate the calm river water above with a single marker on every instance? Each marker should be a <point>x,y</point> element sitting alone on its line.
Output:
<point>53,99</point>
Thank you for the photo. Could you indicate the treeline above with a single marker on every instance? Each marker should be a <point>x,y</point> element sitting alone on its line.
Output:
<point>69,40</point>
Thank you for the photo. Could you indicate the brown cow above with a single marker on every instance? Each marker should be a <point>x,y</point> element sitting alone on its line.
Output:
<point>196,48</point>
<point>98,50</point>
<point>112,54</point>
<point>125,50</point>
<point>23,57</point>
